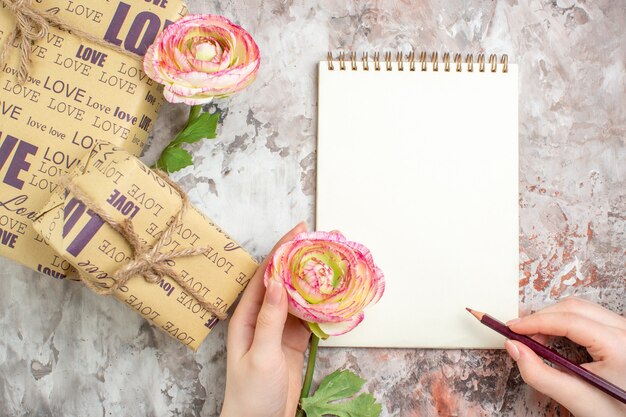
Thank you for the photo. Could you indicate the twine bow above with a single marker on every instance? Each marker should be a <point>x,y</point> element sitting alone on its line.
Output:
<point>148,261</point>
<point>32,25</point>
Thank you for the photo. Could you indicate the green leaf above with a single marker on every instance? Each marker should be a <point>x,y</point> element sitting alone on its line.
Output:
<point>364,405</point>
<point>174,159</point>
<point>204,126</point>
<point>341,385</point>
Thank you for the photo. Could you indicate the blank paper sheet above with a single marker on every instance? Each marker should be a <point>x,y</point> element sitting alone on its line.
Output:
<point>422,168</point>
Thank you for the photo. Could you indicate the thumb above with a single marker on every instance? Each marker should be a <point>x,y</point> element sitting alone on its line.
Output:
<point>271,319</point>
<point>561,386</point>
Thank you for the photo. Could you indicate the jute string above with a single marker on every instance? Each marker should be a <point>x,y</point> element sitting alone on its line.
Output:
<point>32,25</point>
<point>148,261</point>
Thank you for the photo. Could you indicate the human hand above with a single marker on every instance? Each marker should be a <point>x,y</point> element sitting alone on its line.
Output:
<point>265,350</point>
<point>600,331</point>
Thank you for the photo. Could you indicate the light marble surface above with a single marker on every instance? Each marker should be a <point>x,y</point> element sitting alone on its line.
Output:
<point>67,352</point>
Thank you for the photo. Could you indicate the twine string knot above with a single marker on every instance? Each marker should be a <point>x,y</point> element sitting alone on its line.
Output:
<point>32,25</point>
<point>150,262</point>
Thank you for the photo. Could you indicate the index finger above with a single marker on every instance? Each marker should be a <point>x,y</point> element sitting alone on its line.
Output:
<point>587,309</point>
<point>243,321</point>
<point>252,298</point>
<point>595,336</point>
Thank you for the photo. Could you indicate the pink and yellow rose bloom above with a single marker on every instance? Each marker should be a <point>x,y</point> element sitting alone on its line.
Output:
<point>200,57</point>
<point>329,280</point>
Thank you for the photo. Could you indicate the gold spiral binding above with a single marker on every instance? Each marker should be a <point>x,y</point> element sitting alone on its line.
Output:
<point>446,62</point>
<point>411,59</point>
<point>423,60</point>
<point>494,62</point>
<point>481,62</point>
<point>388,60</point>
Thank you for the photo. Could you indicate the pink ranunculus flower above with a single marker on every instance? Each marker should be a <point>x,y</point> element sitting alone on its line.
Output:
<point>200,57</point>
<point>329,280</point>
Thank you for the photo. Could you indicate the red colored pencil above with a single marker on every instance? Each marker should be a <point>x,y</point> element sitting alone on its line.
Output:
<point>551,355</point>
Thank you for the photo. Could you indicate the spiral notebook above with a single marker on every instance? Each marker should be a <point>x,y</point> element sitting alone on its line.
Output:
<point>418,160</point>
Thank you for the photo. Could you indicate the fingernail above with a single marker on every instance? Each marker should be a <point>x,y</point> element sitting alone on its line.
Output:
<point>512,322</point>
<point>511,350</point>
<point>301,226</point>
<point>274,292</point>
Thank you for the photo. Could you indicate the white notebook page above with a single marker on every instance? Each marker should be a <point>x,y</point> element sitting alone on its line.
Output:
<point>422,168</point>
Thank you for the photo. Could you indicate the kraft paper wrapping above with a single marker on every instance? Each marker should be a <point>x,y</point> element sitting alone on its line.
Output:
<point>76,93</point>
<point>123,187</point>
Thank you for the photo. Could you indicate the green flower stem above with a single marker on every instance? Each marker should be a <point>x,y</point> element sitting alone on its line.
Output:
<point>310,367</point>
<point>194,113</point>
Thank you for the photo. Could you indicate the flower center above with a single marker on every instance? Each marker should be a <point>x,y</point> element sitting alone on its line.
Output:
<point>206,51</point>
<point>317,272</point>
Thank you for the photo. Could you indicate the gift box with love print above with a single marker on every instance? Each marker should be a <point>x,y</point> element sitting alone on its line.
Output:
<point>131,233</point>
<point>76,91</point>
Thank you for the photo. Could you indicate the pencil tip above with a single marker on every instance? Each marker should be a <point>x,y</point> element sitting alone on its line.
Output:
<point>475,313</point>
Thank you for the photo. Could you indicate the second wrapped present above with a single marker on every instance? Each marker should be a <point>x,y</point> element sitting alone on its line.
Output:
<point>130,232</point>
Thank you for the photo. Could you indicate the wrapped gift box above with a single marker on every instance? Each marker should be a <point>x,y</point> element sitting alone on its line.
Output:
<point>118,186</point>
<point>76,93</point>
